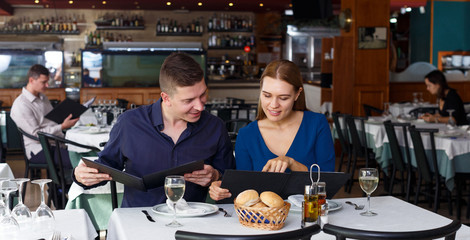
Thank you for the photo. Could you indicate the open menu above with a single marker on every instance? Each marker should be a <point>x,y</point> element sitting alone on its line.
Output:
<point>149,181</point>
<point>67,107</point>
<point>284,184</point>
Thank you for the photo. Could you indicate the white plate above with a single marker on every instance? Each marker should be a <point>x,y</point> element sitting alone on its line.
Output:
<point>94,131</point>
<point>332,206</point>
<point>208,209</point>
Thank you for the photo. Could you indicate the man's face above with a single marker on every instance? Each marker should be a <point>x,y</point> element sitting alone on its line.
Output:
<point>40,84</point>
<point>187,103</point>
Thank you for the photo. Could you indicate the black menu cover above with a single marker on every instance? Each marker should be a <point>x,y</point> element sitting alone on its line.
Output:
<point>149,181</point>
<point>64,109</point>
<point>284,184</point>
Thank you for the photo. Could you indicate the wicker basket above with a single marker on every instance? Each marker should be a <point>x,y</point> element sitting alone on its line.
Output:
<point>262,218</point>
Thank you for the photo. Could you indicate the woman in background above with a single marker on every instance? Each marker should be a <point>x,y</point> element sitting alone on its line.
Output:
<point>285,135</point>
<point>448,98</point>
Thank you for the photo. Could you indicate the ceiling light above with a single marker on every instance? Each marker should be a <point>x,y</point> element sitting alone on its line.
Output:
<point>290,5</point>
<point>168,3</point>
<point>199,4</point>
<point>104,2</point>
<point>422,10</point>
<point>408,9</point>
<point>230,4</point>
<point>261,4</point>
<point>36,1</point>
<point>393,20</point>
<point>70,2</point>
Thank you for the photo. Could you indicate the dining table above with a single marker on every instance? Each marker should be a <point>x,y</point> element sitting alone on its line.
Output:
<point>396,108</point>
<point>393,214</point>
<point>71,224</point>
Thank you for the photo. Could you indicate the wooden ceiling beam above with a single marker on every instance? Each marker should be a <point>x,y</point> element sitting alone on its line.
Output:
<point>5,9</point>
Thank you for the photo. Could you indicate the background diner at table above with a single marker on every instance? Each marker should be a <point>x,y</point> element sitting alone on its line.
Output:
<point>268,90</point>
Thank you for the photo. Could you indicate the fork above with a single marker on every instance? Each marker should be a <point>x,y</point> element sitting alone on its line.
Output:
<point>56,235</point>
<point>226,214</point>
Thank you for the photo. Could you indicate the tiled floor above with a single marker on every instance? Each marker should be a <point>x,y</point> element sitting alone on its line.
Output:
<point>32,198</point>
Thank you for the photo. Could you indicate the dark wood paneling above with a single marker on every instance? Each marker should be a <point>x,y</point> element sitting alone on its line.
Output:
<point>138,96</point>
<point>8,96</point>
<point>343,79</point>
<point>403,91</point>
<point>371,95</point>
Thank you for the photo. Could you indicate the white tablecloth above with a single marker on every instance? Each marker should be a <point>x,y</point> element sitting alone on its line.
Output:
<point>90,136</point>
<point>5,171</point>
<point>393,215</point>
<point>407,107</point>
<point>70,223</point>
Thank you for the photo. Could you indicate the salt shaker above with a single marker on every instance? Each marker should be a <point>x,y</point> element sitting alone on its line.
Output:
<point>322,203</point>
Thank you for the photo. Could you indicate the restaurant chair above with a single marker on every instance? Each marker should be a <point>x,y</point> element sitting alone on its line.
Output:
<point>433,181</point>
<point>398,160</point>
<point>360,148</point>
<point>29,166</point>
<point>302,233</point>
<point>448,232</point>
<point>233,126</point>
<point>343,138</point>
<point>371,110</point>
<point>61,177</point>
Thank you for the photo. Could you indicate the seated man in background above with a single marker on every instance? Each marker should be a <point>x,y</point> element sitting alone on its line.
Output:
<point>28,111</point>
<point>173,131</point>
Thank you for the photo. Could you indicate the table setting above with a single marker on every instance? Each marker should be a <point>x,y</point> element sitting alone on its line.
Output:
<point>22,223</point>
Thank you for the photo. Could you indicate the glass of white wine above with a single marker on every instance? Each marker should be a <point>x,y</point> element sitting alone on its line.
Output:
<point>368,179</point>
<point>174,190</point>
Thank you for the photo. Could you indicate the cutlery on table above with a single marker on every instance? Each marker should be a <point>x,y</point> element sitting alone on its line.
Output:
<point>148,216</point>
<point>226,214</point>
<point>357,207</point>
<point>56,235</point>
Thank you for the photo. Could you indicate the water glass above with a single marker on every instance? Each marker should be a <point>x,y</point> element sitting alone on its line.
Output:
<point>44,218</point>
<point>174,190</point>
<point>451,124</point>
<point>21,212</point>
<point>9,227</point>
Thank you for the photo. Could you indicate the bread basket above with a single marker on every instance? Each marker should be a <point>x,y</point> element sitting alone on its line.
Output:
<point>267,218</point>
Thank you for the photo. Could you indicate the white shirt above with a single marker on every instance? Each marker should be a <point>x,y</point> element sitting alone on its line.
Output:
<point>28,113</point>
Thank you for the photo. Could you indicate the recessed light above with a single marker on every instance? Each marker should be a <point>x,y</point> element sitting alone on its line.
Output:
<point>168,3</point>
<point>230,4</point>
<point>290,5</point>
<point>261,4</point>
<point>36,1</point>
<point>70,2</point>
<point>199,4</point>
<point>104,2</point>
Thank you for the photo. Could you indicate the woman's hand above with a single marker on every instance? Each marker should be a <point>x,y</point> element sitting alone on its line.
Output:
<point>430,117</point>
<point>217,193</point>
<point>280,164</point>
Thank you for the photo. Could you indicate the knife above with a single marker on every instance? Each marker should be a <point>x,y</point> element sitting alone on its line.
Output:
<point>148,216</point>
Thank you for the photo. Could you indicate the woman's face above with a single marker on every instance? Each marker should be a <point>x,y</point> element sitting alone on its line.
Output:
<point>277,98</point>
<point>431,87</point>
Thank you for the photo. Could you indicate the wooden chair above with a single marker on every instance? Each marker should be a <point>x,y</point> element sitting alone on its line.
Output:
<point>302,233</point>
<point>398,160</point>
<point>448,231</point>
<point>432,179</point>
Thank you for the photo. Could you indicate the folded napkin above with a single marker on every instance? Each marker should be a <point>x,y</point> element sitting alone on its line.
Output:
<point>183,207</point>
<point>296,199</point>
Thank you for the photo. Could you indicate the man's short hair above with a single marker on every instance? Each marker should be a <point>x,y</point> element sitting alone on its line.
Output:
<point>36,70</point>
<point>179,70</point>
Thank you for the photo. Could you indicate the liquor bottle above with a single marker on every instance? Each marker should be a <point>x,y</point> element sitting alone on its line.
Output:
<point>74,24</point>
<point>209,24</point>
<point>159,27</point>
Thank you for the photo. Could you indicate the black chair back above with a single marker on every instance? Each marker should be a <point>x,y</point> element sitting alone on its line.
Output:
<point>302,233</point>
<point>448,231</point>
<point>420,153</point>
<point>358,138</point>
<point>397,156</point>
<point>343,136</point>
<point>371,110</point>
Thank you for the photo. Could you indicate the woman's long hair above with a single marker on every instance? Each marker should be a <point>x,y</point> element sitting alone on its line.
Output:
<point>437,77</point>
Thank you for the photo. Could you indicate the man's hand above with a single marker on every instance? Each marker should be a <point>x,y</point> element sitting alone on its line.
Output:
<point>69,122</point>
<point>89,176</point>
<point>217,193</point>
<point>203,177</point>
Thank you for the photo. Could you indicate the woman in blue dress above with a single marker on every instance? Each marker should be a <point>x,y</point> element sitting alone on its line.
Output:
<point>285,136</point>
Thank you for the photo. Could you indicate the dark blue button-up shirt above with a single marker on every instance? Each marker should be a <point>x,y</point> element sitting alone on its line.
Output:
<point>137,145</point>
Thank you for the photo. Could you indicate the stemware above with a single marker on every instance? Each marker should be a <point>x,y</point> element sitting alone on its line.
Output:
<point>3,208</point>
<point>451,122</point>
<point>174,190</point>
<point>99,117</point>
<point>44,217</point>
<point>368,179</point>
<point>21,212</point>
<point>415,98</point>
<point>386,113</point>
<point>8,225</point>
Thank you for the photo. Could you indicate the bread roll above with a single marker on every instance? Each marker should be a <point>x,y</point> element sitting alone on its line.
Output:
<point>259,205</point>
<point>247,198</point>
<point>271,199</point>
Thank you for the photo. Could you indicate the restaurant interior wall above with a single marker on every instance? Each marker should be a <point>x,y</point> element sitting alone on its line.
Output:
<point>450,28</point>
<point>420,34</point>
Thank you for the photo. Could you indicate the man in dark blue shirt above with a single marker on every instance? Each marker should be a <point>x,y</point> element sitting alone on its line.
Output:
<point>171,132</point>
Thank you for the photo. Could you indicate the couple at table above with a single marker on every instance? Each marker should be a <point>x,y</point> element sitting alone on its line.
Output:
<point>176,130</point>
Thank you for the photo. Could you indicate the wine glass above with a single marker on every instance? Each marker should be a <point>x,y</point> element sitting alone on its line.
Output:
<point>368,179</point>
<point>3,208</point>
<point>21,212</point>
<point>415,98</point>
<point>386,114</point>
<point>451,122</point>
<point>8,225</point>
<point>44,217</point>
<point>174,190</point>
